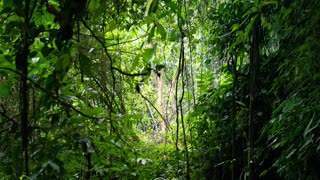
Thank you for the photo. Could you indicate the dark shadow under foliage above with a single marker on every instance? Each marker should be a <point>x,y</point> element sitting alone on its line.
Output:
<point>287,99</point>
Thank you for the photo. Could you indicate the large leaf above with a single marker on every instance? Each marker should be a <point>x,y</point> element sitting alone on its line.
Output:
<point>93,111</point>
<point>93,5</point>
<point>152,6</point>
<point>161,31</point>
<point>151,34</point>
<point>148,53</point>
<point>5,62</point>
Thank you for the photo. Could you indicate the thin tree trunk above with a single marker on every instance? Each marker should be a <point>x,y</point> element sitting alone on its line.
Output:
<point>233,113</point>
<point>254,65</point>
<point>22,68</point>
<point>160,106</point>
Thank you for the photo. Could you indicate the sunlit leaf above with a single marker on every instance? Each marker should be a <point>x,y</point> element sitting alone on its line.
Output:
<point>148,53</point>
<point>235,27</point>
<point>241,103</point>
<point>93,111</point>
<point>5,62</point>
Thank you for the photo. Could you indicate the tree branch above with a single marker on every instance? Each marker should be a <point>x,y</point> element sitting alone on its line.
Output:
<point>128,74</point>
<point>52,95</point>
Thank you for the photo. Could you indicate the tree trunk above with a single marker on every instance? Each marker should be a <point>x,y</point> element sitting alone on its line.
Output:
<point>254,66</point>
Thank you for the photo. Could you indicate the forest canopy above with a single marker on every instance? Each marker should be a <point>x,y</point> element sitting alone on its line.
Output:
<point>159,89</point>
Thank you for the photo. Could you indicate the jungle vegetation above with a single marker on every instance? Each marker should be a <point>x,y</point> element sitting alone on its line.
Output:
<point>159,89</point>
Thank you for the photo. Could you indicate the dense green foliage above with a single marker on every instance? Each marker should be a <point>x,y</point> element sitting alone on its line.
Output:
<point>159,89</point>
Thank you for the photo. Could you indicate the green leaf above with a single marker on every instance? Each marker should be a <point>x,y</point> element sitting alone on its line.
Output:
<point>115,169</point>
<point>148,53</point>
<point>151,34</point>
<point>250,25</point>
<point>5,62</point>
<point>154,6</point>
<point>135,61</point>
<point>291,104</point>
<point>235,27</point>
<point>93,111</point>
<point>44,19</point>
<point>241,103</point>
<point>149,19</point>
<point>112,25</point>
<point>8,3</point>
<point>5,10</point>
<point>4,89</point>
<point>161,31</point>
<point>151,6</point>
<point>173,6</point>
<point>174,35</point>
<point>93,5</point>
<point>264,172</point>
